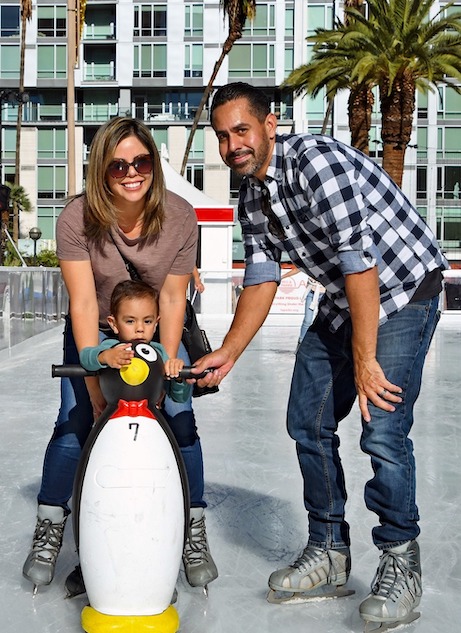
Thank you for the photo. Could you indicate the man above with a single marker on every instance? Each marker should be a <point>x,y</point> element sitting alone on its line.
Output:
<point>341,219</point>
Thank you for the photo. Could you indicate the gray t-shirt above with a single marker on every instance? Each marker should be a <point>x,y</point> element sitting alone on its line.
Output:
<point>173,251</point>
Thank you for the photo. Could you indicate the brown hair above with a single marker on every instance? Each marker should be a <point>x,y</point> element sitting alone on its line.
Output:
<point>131,289</point>
<point>100,213</point>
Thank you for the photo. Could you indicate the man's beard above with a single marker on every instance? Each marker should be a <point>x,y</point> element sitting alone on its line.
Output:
<point>257,159</point>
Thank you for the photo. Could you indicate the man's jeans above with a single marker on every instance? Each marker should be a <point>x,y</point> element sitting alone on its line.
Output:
<point>74,423</point>
<point>322,394</point>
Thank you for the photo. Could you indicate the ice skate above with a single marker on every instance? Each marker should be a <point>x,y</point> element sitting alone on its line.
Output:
<point>316,574</point>
<point>396,589</point>
<point>198,563</point>
<point>46,545</point>
<point>74,584</point>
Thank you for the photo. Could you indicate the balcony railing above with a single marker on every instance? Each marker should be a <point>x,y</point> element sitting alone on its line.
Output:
<point>99,72</point>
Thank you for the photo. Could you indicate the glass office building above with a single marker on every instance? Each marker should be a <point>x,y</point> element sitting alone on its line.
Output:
<point>152,60</point>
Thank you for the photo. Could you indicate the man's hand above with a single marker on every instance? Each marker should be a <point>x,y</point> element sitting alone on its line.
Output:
<point>221,363</point>
<point>373,386</point>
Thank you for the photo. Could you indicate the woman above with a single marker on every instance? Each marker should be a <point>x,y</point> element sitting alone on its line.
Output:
<point>125,214</point>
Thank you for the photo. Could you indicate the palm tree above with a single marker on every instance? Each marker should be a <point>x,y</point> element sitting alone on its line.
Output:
<point>400,48</point>
<point>26,14</point>
<point>20,197</point>
<point>238,11</point>
<point>321,73</point>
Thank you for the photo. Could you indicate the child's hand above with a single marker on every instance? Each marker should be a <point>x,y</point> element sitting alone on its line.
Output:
<point>117,357</point>
<point>173,367</point>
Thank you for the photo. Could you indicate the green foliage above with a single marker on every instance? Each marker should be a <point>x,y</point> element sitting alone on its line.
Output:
<point>19,196</point>
<point>47,258</point>
<point>397,36</point>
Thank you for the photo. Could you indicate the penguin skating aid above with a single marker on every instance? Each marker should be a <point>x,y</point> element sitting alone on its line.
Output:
<point>131,504</point>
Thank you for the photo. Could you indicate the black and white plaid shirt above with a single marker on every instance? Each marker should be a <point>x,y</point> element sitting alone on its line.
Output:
<point>340,213</point>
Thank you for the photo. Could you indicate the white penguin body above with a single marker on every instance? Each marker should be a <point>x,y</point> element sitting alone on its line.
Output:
<point>131,515</point>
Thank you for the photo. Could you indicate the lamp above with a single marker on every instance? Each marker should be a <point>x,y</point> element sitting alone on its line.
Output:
<point>35,234</point>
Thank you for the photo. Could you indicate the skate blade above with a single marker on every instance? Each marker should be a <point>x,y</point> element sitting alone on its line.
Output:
<point>326,592</point>
<point>374,627</point>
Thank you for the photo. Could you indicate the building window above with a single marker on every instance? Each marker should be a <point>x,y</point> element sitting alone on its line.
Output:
<point>449,226</point>
<point>51,61</point>
<point>99,22</point>
<point>9,62</point>
<point>289,60</point>
<point>8,142</point>
<point>449,182</point>
<point>252,60</point>
<point>194,20</point>
<point>51,143</point>
<point>51,181</point>
<point>193,60</point>
<point>47,217</point>
<point>319,16</point>
<point>421,182</point>
<point>263,24</point>
<point>150,60</point>
<point>99,63</point>
<point>235,182</point>
<point>449,142</point>
<point>315,106</point>
<point>150,20</point>
<point>289,21</point>
<point>160,136</point>
<point>451,103</point>
<point>51,21</point>
<point>376,144</point>
<point>9,21</point>
<point>197,150</point>
<point>194,174</point>
<point>422,105</point>
<point>421,136</point>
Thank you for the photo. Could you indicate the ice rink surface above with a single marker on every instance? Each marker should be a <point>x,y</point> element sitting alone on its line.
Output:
<point>255,518</point>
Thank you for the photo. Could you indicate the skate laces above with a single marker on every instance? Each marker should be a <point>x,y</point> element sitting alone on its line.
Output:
<point>312,557</point>
<point>48,539</point>
<point>196,549</point>
<point>395,576</point>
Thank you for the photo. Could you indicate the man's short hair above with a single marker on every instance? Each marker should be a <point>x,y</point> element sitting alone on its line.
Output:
<point>257,100</point>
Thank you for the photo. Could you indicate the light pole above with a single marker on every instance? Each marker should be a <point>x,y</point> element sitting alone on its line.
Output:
<point>35,234</point>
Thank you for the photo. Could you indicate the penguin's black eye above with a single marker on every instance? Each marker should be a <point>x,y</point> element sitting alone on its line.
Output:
<point>147,352</point>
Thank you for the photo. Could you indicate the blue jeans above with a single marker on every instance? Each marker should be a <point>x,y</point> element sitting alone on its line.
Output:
<point>74,423</point>
<point>322,394</point>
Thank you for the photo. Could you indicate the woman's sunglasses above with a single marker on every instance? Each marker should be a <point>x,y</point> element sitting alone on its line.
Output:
<point>119,168</point>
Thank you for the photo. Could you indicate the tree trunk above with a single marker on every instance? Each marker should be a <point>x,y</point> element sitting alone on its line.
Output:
<point>17,163</point>
<point>360,107</point>
<point>233,36</point>
<point>397,109</point>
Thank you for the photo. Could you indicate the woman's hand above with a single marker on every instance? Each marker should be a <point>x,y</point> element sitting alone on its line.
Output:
<point>97,399</point>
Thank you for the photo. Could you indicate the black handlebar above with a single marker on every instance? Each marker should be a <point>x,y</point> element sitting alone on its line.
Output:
<point>75,371</point>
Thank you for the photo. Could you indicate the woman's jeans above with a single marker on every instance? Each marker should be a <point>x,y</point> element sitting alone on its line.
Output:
<point>322,394</point>
<point>74,423</point>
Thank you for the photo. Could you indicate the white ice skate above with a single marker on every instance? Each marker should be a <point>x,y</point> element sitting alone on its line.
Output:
<point>317,574</point>
<point>396,590</point>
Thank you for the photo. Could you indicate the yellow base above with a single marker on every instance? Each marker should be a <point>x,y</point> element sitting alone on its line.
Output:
<point>95,622</point>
